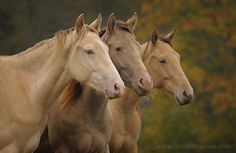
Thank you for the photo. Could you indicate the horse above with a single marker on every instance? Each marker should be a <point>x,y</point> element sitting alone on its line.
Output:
<point>31,81</point>
<point>163,64</point>
<point>82,122</point>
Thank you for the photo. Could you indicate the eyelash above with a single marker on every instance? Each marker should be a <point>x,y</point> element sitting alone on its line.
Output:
<point>118,49</point>
<point>89,51</point>
<point>163,61</point>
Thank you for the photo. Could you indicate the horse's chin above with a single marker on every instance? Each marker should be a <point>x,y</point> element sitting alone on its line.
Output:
<point>112,96</point>
<point>182,102</point>
<point>141,92</point>
<point>128,84</point>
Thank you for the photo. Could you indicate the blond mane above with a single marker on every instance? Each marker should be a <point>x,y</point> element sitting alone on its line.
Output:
<point>38,45</point>
<point>119,25</point>
<point>60,35</point>
<point>124,26</point>
<point>71,92</point>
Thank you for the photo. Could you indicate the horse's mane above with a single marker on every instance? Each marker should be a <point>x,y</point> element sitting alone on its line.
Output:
<point>43,42</point>
<point>119,25</point>
<point>71,92</point>
<point>74,89</point>
<point>46,41</point>
<point>124,26</point>
<point>102,32</point>
<point>162,38</point>
<point>37,45</point>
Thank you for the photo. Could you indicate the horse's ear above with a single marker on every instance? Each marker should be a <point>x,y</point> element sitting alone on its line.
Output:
<point>170,35</point>
<point>111,22</point>
<point>80,26</point>
<point>96,24</point>
<point>79,23</point>
<point>154,37</point>
<point>133,21</point>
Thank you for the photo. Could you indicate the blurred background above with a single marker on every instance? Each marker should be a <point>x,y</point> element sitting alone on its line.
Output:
<point>205,38</point>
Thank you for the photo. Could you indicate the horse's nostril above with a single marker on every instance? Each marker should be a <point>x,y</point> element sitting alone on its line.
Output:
<point>190,97</point>
<point>185,94</point>
<point>141,82</point>
<point>116,87</point>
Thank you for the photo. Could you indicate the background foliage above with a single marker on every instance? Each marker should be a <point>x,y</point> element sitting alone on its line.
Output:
<point>205,38</point>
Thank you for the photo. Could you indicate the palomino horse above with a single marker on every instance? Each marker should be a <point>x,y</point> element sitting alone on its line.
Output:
<point>163,64</point>
<point>81,122</point>
<point>31,81</point>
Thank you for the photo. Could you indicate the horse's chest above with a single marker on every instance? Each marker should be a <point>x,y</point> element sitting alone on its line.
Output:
<point>92,142</point>
<point>125,133</point>
<point>122,144</point>
<point>127,125</point>
<point>91,135</point>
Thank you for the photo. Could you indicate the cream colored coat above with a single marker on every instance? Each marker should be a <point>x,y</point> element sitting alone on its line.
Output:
<point>31,81</point>
<point>163,65</point>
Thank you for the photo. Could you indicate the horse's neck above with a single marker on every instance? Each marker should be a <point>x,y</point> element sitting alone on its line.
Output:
<point>128,101</point>
<point>33,59</point>
<point>145,48</point>
<point>42,69</point>
<point>92,101</point>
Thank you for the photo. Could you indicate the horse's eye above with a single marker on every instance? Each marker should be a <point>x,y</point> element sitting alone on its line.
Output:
<point>118,49</point>
<point>89,51</point>
<point>162,61</point>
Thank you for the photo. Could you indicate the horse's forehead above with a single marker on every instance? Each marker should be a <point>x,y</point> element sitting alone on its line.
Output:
<point>122,34</point>
<point>92,40</point>
<point>124,38</point>
<point>165,49</point>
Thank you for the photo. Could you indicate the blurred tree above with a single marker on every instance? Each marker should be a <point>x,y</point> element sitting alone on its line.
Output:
<point>25,22</point>
<point>206,41</point>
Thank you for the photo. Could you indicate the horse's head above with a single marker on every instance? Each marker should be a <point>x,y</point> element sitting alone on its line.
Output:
<point>124,51</point>
<point>89,61</point>
<point>163,64</point>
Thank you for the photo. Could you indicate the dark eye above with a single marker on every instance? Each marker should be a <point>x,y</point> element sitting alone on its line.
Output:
<point>162,61</point>
<point>118,49</point>
<point>89,51</point>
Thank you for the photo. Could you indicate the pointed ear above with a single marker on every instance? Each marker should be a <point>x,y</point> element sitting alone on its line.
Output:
<point>79,23</point>
<point>80,26</point>
<point>154,37</point>
<point>96,24</point>
<point>133,21</point>
<point>170,35</point>
<point>111,23</point>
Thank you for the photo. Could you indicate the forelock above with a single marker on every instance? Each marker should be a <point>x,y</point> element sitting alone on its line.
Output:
<point>124,26</point>
<point>91,29</point>
<point>119,25</point>
<point>163,39</point>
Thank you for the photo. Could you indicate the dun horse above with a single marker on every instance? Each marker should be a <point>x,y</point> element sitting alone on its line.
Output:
<point>163,64</point>
<point>82,122</point>
<point>31,81</point>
